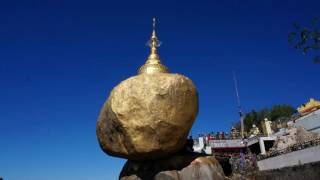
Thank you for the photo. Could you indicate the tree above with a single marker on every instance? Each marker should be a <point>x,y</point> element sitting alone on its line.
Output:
<point>280,113</point>
<point>250,119</point>
<point>306,39</point>
<point>237,125</point>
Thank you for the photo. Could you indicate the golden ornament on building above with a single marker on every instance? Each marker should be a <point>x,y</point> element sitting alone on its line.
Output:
<point>311,106</point>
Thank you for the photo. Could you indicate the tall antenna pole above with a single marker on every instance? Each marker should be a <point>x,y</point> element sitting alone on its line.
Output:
<point>238,103</point>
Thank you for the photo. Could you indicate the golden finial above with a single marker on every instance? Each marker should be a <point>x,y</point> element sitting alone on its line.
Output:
<point>153,63</point>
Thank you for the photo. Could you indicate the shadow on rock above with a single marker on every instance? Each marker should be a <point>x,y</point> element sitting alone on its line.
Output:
<point>182,166</point>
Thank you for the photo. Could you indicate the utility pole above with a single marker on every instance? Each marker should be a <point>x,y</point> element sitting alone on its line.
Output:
<point>238,103</point>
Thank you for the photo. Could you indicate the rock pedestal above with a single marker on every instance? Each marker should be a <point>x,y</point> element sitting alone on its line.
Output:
<point>177,167</point>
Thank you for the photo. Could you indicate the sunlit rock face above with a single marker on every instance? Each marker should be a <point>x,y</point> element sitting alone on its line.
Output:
<point>148,116</point>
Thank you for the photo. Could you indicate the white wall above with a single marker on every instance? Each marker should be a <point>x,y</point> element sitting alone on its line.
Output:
<point>308,155</point>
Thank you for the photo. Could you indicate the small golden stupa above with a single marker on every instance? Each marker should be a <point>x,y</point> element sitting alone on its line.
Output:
<point>153,63</point>
<point>254,131</point>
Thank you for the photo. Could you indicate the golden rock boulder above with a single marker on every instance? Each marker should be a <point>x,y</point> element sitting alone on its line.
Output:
<point>148,116</point>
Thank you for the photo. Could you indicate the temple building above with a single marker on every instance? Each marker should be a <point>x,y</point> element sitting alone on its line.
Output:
<point>258,142</point>
<point>220,143</point>
<point>309,116</point>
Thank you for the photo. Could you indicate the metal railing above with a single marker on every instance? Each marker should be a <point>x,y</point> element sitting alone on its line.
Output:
<point>295,147</point>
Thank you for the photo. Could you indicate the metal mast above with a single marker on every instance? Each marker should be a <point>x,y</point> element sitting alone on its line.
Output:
<point>238,103</point>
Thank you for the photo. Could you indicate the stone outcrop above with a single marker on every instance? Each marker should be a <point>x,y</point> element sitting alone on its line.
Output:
<point>177,167</point>
<point>148,116</point>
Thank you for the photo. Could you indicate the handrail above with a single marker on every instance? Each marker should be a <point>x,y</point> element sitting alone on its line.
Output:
<point>292,148</point>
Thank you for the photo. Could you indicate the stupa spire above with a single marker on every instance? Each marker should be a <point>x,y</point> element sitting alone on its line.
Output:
<point>153,63</point>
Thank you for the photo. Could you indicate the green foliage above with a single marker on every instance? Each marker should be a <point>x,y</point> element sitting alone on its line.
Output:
<point>306,39</point>
<point>276,113</point>
<point>250,119</point>
<point>281,111</point>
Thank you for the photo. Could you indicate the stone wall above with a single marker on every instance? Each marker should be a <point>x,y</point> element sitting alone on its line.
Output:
<point>300,157</point>
<point>310,122</point>
<point>308,171</point>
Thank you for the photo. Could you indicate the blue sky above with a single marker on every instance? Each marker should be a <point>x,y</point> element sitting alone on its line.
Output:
<point>60,59</point>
